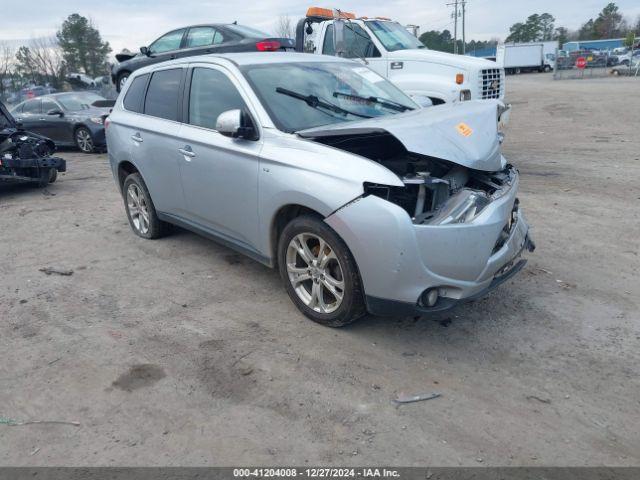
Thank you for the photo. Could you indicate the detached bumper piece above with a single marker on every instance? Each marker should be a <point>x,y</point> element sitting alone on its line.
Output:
<point>30,169</point>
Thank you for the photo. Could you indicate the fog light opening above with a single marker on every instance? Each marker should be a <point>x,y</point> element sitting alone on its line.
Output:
<point>429,297</point>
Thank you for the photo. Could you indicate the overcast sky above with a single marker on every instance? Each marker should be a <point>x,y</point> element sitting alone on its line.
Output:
<point>132,23</point>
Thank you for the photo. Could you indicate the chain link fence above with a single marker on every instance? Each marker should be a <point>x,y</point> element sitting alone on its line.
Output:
<point>591,64</point>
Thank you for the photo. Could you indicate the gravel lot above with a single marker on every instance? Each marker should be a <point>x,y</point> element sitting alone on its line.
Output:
<point>181,352</point>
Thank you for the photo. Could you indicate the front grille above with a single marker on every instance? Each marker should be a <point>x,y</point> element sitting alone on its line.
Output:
<point>492,83</point>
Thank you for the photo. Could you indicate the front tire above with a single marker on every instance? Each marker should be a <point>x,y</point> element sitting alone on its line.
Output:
<point>141,212</point>
<point>319,272</point>
<point>84,140</point>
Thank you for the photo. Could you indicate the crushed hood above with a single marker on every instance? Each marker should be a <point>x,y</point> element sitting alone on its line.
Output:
<point>6,119</point>
<point>465,133</point>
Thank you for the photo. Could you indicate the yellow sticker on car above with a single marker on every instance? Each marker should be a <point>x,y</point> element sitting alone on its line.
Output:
<point>464,129</point>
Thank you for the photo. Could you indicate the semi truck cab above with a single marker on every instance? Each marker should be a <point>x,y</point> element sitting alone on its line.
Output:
<point>390,50</point>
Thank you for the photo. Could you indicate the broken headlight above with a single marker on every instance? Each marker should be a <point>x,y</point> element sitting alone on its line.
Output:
<point>462,207</point>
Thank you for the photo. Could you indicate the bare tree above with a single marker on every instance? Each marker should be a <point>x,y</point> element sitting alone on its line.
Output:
<point>41,61</point>
<point>7,55</point>
<point>284,27</point>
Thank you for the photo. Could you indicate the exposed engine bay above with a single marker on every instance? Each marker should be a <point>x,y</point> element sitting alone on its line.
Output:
<point>26,156</point>
<point>435,191</point>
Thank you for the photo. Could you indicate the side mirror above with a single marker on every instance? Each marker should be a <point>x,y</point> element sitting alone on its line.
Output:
<point>145,51</point>
<point>236,124</point>
<point>56,111</point>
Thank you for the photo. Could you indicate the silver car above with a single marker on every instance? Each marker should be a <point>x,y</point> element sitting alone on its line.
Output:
<point>318,166</point>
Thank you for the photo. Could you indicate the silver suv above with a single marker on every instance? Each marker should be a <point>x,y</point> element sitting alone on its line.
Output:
<point>321,167</point>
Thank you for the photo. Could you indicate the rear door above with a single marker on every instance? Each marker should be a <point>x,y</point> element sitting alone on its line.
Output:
<point>201,41</point>
<point>219,174</point>
<point>153,136</point>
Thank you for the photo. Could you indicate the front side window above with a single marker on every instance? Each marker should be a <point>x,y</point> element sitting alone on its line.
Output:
<point>168,42</point>
<point>305,95</point>
<point>394,36</point>
<point>357,42</point>
<point>163,93</point>
<point>202,36</point>
<point>212,93</point>
<point>135,94</point>
<point>32,106</point>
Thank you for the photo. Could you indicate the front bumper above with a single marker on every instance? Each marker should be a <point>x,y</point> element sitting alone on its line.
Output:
<point>399,261</point>
<point>28,170</point>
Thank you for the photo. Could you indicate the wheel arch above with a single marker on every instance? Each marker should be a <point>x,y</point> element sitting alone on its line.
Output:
<point>125,168</point>
<point>280,219</point>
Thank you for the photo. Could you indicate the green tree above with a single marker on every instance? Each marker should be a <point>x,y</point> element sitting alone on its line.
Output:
<point>630,40</point>
<point>82,47</point>
<point>561,35</point>
<point>588,31</point>
<point>537,27</point>
<point>609,22</point>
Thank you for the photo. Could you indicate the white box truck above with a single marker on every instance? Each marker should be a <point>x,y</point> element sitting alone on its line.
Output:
<point>526,57</point>
<point>390,50</point>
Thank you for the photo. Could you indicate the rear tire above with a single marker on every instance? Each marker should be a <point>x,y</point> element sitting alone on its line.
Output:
<point>141,212</point>
<point>47,176</point>
<point>319,272</point>
<point>84,140</point>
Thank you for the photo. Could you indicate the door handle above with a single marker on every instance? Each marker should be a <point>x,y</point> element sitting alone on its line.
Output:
<point>136,138</point>
<point>187,152</point>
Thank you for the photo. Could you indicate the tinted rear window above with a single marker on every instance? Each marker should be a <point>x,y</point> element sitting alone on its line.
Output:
<point>163,93</point>
<point>135,94</point>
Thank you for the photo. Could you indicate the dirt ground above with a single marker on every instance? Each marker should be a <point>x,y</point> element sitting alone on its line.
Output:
<point>181,352</point>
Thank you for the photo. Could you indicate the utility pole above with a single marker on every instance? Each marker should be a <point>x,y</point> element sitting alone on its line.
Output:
<point>464,39</point>
<point>455,25</point>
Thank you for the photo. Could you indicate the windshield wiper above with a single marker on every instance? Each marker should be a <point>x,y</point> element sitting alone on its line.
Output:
<point>385,102</point>
<point>315,102</point>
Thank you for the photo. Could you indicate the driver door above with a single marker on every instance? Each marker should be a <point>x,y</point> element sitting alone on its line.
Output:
<point>359,46</point>
<point>219,174</point>
<point>166,47</point>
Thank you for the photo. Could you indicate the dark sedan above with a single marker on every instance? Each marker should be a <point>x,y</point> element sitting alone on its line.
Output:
<point>69,119</point>
<point>197,40</point>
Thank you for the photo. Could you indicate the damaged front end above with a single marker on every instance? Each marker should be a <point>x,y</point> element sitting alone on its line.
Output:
<point>454,230</point>
<point>26,156</point>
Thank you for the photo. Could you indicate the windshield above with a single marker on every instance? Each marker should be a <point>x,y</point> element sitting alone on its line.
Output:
<point>78,101</point>
<point>298,96</point>
<point>394,36</point>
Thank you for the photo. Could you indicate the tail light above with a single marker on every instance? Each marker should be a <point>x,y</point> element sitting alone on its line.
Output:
<point>268,46</point>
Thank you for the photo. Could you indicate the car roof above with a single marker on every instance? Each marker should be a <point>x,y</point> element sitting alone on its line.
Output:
<point>247,58</point>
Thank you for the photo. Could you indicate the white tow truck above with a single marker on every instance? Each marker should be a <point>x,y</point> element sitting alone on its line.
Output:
<point>390,50</point>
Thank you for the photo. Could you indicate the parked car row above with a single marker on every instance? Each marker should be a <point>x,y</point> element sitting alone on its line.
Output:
<point>68,119</point>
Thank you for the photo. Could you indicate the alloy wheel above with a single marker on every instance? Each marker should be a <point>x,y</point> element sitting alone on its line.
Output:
<point>138,209</point>
<point>84,140</point>
<point>315,273</point>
